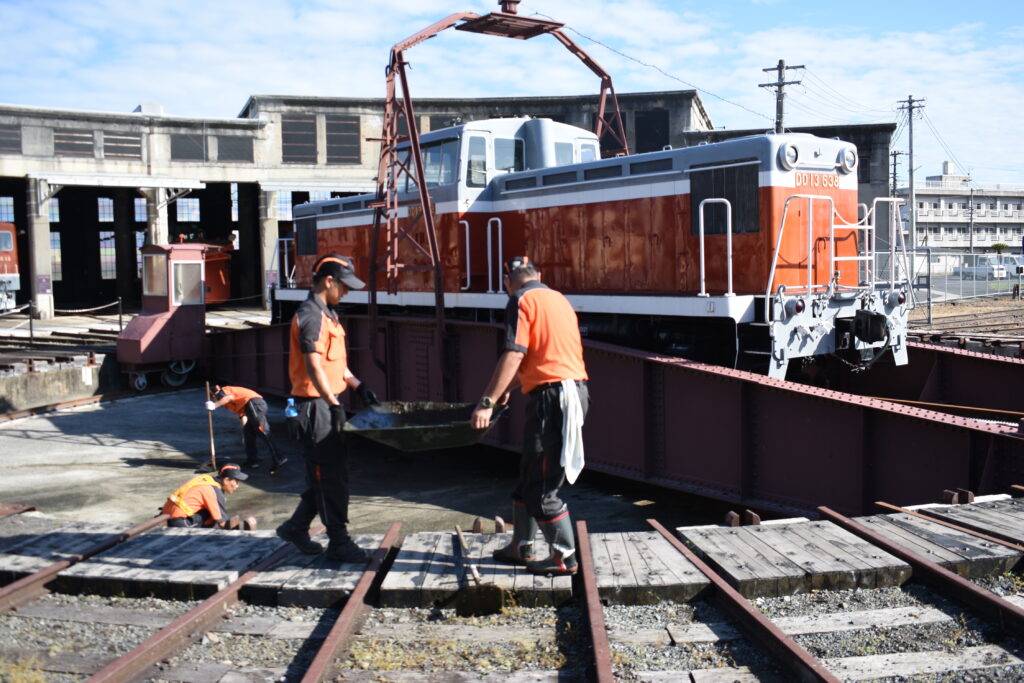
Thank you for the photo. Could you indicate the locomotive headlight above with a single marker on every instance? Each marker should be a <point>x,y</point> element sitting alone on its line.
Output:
<point>789,155</point>
<point>795,306</point>
<point>897,298</point>
<point>847,160</point>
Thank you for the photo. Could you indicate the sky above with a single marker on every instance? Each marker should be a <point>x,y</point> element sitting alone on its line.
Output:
<point>204,59</point>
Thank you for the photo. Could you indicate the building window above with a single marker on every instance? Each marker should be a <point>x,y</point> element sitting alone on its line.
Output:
<point>122,145</point>
<point>10,139</point>
<point>188,148</point>
<point>188,209</point>
<point>72,142</point>
<point>234,148</point>
<point>343,140</point>
<point>7,209</point>
<point>234,202</point>
<point>105,210</point>
<point>141,215</point>
<point>298,138</point>
<point>739,185</point>
<point>56,271</point>
<point>108,255</point>
<point>54,210</point>
<point>284,206</point>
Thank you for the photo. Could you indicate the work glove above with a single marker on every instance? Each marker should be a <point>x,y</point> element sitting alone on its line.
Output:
<point>366,394</point>
<point>338,417</point>
<point>210,405</point>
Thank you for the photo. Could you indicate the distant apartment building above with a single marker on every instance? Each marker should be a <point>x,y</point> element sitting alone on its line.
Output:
<point>953,214</point>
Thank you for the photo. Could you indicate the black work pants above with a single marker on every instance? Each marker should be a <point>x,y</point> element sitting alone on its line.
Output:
<point>257,427</point>
<point>325,452</point>
<point>541,474</point>
<point>201,518</point>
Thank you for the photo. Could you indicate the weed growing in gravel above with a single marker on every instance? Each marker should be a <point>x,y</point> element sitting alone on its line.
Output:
<point>956,633</point>
<point>21,670</point>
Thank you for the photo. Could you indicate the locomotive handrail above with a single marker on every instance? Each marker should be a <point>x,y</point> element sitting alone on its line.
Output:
<point>728,243</point>
<point>810,245</point>
<point>490,254</point>
<point>465,224</point>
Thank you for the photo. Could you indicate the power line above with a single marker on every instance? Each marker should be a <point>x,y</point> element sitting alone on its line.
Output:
<point>656,68</point>
<point>850,103</point>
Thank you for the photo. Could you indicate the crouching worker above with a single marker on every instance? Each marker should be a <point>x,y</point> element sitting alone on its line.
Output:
<point>202,501</point>
<point>543,353</point>
<point>252,411</point>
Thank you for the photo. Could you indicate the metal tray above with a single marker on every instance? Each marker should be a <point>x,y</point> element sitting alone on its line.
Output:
<point>420,425</point>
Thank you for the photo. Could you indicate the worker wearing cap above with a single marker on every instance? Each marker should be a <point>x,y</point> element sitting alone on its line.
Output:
<point>544,354</point>
<point>202,500</point>
<point>252,411</point>
<point>318,369</point>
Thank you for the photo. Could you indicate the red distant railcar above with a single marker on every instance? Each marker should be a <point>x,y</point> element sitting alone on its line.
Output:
<point>10,279</point>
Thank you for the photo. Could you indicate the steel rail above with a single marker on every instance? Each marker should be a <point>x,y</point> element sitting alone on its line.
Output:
<point>996,534</point>
<point>354,613</point>
<point>751,620</point>
<point>186,629</point>
<point>950,525</point>
<point>28,588</point>
<point>595,612</point>
<point>987,603</point>
<point>1017,489</point>
<point>76,402</point>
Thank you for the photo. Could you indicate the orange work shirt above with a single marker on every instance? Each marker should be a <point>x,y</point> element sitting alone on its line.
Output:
<point>196,498</point>
<point>316,329</point>
<point>541,323</point>
<point>239,397</point>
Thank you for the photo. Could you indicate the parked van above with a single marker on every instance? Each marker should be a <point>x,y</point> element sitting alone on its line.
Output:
<point>981,267</point>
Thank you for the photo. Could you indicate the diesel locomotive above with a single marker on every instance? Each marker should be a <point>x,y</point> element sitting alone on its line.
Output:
<point>749,253</point>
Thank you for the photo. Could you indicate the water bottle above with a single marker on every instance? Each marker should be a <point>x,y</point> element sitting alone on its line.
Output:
<point>290,410</point>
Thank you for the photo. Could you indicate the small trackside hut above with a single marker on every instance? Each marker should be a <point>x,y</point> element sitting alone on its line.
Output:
<point>747,253</point>
<point>169,334</point>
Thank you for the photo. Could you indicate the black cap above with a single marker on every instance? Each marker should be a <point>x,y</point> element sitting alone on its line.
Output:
<point>340,268</point>
<point>233,472</point>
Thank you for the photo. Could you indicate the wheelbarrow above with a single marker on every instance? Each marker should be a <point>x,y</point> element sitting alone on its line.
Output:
<point>420,425</point>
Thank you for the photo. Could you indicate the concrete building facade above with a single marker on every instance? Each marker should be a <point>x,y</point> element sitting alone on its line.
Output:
<point>954,214</point>
<point>87,189</point>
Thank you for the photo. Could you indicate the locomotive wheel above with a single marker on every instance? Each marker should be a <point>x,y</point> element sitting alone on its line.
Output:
<point>172,379</point>
<point>182,367</point>
<point>138,381</point>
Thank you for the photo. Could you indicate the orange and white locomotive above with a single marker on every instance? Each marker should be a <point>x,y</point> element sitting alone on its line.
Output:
<point>747,253</point>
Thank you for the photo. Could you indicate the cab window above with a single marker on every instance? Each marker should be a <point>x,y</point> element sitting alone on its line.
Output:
<point>6,241</point>
<point>563,153</point>
<point>588,152</point>
<point>476,164</point>
<point>154,275</point>
<point>439,162</point>
<point>508,154</point>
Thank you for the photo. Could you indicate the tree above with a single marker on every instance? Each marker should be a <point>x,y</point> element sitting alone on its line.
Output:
<point>1000,247</point>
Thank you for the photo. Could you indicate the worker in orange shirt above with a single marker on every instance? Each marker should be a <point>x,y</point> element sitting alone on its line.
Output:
<point>252,411</point>
<point>318,369</point>
<point>202,500</point>
<point>544,354</point>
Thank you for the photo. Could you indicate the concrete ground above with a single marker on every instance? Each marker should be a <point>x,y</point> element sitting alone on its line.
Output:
<point>117,462</point>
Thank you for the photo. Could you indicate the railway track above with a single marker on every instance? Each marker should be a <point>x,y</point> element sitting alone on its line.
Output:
<point>939,625</point>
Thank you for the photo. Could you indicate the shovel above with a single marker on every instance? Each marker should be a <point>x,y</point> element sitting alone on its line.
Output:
<point>477,599</point>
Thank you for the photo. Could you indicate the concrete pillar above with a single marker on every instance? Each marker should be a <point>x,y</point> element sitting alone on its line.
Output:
<point>124,243</point>
<point>38,233</point>
<point>156,215</point>
<point>268,234</point>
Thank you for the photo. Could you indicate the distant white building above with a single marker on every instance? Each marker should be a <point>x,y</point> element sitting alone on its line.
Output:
<point>953,214</point>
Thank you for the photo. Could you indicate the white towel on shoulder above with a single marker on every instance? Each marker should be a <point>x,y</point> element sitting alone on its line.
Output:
<point>572,431</point>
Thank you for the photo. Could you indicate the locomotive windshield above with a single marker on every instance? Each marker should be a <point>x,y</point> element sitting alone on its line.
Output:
<point>154,275</point>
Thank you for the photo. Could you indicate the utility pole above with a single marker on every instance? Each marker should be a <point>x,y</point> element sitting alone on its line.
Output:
<point>970,225</point>
<point>910,106</point>
<point>895,157</point>
<point>779,84</point>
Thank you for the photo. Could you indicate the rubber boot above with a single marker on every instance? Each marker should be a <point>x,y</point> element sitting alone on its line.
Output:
<point>524,530</point>
<point>558,534</point>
